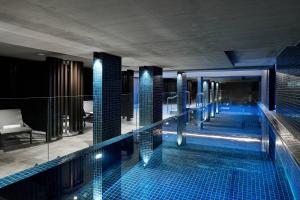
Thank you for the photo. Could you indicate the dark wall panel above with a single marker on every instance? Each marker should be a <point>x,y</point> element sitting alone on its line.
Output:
<point>267,87</point>
<point>170,85</point>
<point>88,83</point>
<point>240,92</point>
<point>27,85</point>
<point>127,94</point>
<point>24,85</point>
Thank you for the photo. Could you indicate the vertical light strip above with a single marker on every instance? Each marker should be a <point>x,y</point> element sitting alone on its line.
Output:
<point>97,125</point>
<point>97,100</point>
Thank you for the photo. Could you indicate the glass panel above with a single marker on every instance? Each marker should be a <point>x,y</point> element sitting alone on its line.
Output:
<point>169,104</point>
<point>73,116</point>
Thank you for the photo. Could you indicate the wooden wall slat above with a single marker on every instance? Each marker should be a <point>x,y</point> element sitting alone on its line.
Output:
<point>66,96</point>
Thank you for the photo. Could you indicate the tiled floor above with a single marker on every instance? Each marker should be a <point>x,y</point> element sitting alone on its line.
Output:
<point>23,158</point>
<point>202,173</point>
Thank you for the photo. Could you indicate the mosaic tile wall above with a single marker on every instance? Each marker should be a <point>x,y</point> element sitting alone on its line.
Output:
<point>150,95</point>
<point>288,88</point>
<point>157,95</point>
<point>150,109</point>
<point>206,92</point>
<point>200,100</point>
<point>280,155</point>
<point>106,96</point>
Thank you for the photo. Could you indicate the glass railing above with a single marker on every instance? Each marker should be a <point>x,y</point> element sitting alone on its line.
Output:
<point>91,171</point>
<point>36,130</point>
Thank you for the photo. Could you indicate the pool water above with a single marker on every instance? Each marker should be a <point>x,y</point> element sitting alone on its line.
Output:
<point>194,172</point>
<point>224,160</point>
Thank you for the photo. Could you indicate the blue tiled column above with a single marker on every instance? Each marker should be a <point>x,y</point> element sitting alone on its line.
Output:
<point>150,109</point>
<point>206,93</point>
<point>150,95</point>
<point>107,113</point>
<point>181,92</point>
<point>217,97</point>
<point>106,97</point>
<point>200,102</point>
<point>212,100</point>
<point>181,106</point>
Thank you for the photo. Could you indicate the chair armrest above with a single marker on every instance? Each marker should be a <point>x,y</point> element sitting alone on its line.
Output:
<point>25,125</point>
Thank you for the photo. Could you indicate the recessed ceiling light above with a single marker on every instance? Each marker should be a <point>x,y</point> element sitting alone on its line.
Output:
<point>41,54</point>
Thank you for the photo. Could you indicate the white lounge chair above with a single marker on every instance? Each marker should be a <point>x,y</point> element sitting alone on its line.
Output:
<point>88,110</point>
<point>11,123</point>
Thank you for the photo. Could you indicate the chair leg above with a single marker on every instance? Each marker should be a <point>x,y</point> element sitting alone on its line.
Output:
<point>30,137</point>
<point>1,142</point>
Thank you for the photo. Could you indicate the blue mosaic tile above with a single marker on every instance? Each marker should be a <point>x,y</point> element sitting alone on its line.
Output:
<point>202,173</point>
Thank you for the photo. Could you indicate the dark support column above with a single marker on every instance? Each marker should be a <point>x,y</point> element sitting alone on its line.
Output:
<point>200,98</point>
<point>150,109</point>
<point>181,106</point>
<point>272,86</point>
<point>212,100</point>
<point>106,97</point>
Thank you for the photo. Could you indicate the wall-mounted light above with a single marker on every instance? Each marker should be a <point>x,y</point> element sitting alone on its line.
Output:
<point>98,156</point>
<point>146,160</point>
<point>179,140</point>
<point>41,54</point>
<point>75,198</point>
<point>98,65</point>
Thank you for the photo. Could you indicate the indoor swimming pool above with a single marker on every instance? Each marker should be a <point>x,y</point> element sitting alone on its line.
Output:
<point>224,160</point>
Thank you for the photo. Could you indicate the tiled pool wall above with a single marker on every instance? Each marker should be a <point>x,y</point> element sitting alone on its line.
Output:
<point>282,158</point>
<point>287,87</point>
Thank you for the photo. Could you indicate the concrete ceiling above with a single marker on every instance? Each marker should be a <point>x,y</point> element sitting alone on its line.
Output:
<point>176,34</point>
<point>208,74</point>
